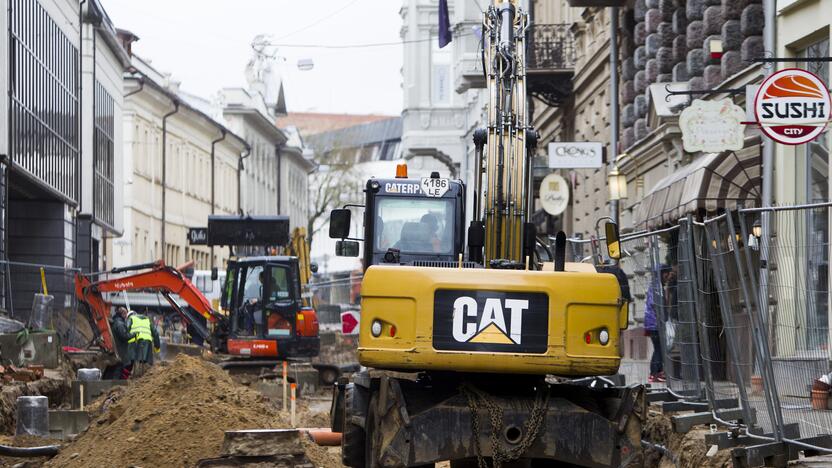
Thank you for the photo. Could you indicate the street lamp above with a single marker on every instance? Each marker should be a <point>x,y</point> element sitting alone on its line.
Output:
<point>618,184</point>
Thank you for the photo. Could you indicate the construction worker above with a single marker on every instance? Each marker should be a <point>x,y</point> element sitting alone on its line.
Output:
<point>121,336</point>
<point>144,340</point>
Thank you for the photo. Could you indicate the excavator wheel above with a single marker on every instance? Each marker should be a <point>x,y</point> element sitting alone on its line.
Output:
<point>353,441</point>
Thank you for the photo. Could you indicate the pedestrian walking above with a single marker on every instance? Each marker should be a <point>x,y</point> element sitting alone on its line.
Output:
<point>651,324</point>
<point>144,340</point>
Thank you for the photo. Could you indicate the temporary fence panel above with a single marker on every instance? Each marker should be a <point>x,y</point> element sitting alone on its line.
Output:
<point>335,296</point>
<point>795,320</point>
<point>23,281</point>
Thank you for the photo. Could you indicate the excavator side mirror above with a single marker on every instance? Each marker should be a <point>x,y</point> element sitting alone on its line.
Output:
<point>346,248</point>
<point>313,267</point>
<point>613,242</point>
<point>339,223</point>
<point>215,274</point>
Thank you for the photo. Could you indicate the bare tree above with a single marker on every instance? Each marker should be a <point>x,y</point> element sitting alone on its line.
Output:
<point>335,183</point>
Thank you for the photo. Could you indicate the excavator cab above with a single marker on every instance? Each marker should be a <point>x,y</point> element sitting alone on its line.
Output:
<point>407,221</point>
<point>266,315</point>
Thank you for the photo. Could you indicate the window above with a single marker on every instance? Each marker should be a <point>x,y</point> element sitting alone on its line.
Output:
<point>440,92</point>
<point>414,225</point>
<point>253,288</point>
<point>279,286</point>
<point>814,178</point>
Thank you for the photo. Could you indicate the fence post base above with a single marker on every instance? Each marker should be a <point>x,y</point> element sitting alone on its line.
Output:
<point>684,423</point>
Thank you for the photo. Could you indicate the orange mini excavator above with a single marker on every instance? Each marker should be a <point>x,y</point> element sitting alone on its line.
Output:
<point>270,322</point>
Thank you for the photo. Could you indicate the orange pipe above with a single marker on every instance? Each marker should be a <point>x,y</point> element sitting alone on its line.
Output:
<point>324,436</point>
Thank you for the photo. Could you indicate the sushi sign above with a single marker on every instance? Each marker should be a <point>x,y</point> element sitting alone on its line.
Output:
<point>793,106</point>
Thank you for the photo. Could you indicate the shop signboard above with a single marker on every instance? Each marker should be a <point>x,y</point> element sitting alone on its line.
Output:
<point>712,126</point>
<point>792,106</point>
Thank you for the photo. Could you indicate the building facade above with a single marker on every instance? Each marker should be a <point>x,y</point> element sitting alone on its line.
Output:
<point>180,166</point>
<point>59,145</point>
<point>275,172</point>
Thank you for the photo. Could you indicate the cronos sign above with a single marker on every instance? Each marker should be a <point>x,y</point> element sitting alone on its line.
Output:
<point>793,106</point>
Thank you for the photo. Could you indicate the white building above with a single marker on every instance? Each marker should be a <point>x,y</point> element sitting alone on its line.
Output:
<point>444,99</point>
<point>275,172</point>
<point>180,166</point>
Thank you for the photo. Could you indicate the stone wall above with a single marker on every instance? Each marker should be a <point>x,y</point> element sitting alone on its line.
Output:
<point>668,41</point>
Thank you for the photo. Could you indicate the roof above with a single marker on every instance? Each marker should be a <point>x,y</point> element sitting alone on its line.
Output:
<point>311,123</point>
<point>358,135</point>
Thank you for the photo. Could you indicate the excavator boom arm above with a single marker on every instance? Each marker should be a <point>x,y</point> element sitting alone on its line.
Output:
<point>160,278</point>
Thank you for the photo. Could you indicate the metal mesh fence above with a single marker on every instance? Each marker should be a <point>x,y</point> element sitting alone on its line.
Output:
<point>792,269</point>
<point>333,296</point>
<point>23,281</point>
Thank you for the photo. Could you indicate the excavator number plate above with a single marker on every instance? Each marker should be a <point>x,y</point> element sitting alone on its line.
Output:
<point>493,321</point>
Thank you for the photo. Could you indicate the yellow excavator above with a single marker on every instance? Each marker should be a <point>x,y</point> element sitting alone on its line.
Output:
<point>483,352</point>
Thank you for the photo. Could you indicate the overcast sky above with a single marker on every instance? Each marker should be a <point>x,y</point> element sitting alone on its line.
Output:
<point>207,43</point>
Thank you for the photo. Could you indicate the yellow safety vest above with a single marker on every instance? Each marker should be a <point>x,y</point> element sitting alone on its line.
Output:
<point>140,325</point>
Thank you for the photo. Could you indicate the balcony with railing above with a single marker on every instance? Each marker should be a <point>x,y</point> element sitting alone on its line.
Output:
<point>550,62</point>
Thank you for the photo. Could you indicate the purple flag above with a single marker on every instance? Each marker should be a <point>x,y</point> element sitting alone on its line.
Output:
<point>445,34</point>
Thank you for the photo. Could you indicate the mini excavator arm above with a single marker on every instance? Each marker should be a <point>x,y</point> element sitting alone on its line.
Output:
<point>160,277</point>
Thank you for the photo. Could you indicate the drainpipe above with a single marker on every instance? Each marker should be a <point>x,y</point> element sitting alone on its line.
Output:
<point>614,204</point>
<point>213,184</point>
<point>165,169</point>
<point>279,183</point>
<point>246,153</point>
<point>78,163</point>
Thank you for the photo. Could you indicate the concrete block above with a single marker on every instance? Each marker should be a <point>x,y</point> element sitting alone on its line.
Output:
<point>651,71</point>
<point>41,348</point>
<point>261,443</point>
<point>652,45</point>
<point>713,76</point>
<point>695,9</point>
<point>641,106</point>
<point>696,62</point>
<point>665,78</point>
<point>628,115</point>
<point>667,8</point>
<point>640,83</point>
<point>666,33</point>
<point>640,33</point>
<point>641,129</point>
<point>628,92</point>
<point>652,19</point>
<point>680,21</point>
<point>628,68</point>
<point>732,35</point>
<point>640,58</point>
<point>732,9</point>
<point>639,10</point>
<point>752,48</point>
<point>664,59</point>
<point>695,34</point>
<point>752,20</point>
<point>713,20</point>
<point>92,390</point>
<point>680,49</point>
<point>732,63</point>
<point>66,423</point>
<point>628,137</point>
<point>697,83</point>
<point>680,72</point>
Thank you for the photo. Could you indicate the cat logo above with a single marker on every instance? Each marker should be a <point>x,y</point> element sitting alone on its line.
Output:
<point>491,326</point>
<point>490,321</point>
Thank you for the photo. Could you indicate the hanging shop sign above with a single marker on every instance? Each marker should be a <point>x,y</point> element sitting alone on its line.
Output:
<point>712,126</point>
<point>554,194</point>
<point>573,155</point>
<point>792,106</point>
<point>198,236</point>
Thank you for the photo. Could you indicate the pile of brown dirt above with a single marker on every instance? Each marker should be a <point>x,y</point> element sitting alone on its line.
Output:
<point>173,416</point>
<point>687,450</point>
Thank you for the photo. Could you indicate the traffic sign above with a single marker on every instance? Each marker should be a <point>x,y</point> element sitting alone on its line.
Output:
<point>349,322</point>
